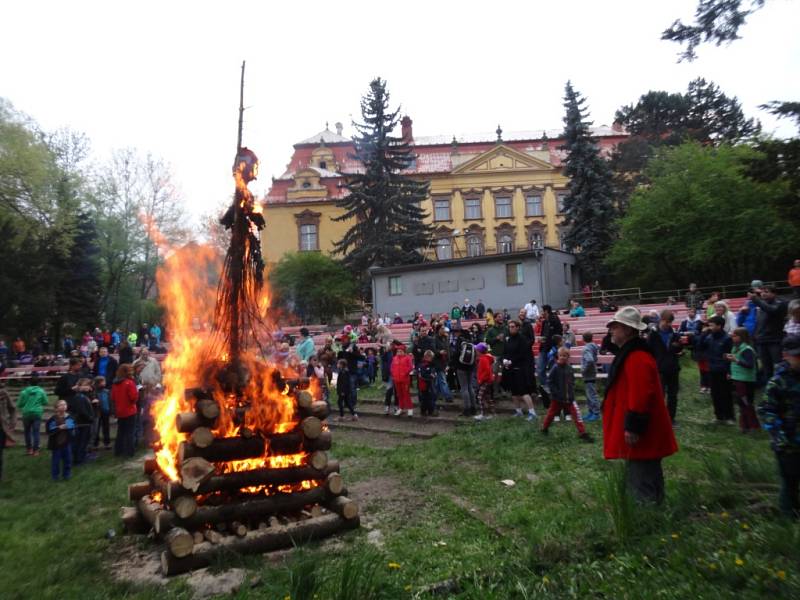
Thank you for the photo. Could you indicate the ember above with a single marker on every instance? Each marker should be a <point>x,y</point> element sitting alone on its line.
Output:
<point>241,461</point>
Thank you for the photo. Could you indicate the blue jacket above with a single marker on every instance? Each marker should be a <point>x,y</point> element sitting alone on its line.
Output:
<point>748,318</point>
<point>780,410</point>
<point>714,347</point>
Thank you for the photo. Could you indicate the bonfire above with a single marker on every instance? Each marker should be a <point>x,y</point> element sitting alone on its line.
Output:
<point>241,459</point>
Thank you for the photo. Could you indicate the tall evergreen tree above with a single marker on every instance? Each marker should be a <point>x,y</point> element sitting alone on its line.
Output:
<point>384,203</point>
<point>589,205</point>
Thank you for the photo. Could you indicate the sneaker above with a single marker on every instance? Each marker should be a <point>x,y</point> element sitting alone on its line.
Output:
<point>29,451</point>
<point>517,413</point>
<point>478,417</point>
<point>729,422</point>
<point>591,418</point>
<point>354,418</point>
<point>35,453</point>
<point>487,417</point>
<point>386,410</point>
<point>568,418</point>
<point>531,417</point>
<point>435,413</point>
<point>410,412</point>
<point>557,419</point>
<point>339,418</point>
<point>544,431</point>
<point>398,412</point>
<point>586,438</point>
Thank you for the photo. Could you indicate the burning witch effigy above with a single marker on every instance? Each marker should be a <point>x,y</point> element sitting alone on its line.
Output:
<point>241,461</point>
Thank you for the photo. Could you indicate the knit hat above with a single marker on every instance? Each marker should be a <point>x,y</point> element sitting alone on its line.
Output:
<point>481,347</point>
<point>629,316</point>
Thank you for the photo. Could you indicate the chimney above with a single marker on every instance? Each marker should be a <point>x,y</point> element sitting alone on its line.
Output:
<point>408,135</point>
<point>339,128</point>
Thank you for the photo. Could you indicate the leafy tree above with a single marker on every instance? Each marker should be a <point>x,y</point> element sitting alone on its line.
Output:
<point>383,203</point>
<point>704,114</point>
<point>589,205</point>
<point>312,285</point>
<point>716,21</point>
<point>702,219</point>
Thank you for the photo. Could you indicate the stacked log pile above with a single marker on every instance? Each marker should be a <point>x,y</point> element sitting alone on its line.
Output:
<point>211,509</point>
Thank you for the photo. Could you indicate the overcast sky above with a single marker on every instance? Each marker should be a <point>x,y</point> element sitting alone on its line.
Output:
<point>163,76</point>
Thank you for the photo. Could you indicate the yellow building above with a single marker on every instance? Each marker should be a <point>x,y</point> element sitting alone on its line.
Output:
<point>489,193</point>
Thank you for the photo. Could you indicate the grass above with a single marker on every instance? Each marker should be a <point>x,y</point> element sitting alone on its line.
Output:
<point>451,530</point>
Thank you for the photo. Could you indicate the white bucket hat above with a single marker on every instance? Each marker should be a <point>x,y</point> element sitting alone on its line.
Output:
<point>630,316</point>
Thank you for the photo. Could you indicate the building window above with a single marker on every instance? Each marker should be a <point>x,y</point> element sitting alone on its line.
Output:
<point>474,246</point>
<point>560,197</point>
<point>505,243</point>
<point>533,206</point>
<point>441,209</point>
<point>502,207</point>
<point>444,248</point>
<point>537,240</point>
<point>308,238</point>
<point>472,208</point>
<point>395,286</point>
<point>514,274</point>
<point>562,240</point>
<point>323,165</point>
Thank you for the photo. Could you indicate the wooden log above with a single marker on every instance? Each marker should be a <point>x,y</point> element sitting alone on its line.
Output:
<point>180,542</point>
<point>208,408</point>
<point>198,536</point>
<point>261,541</point>
<point>186,422</point>
<point>238,529</point>
<point>311,427</point>
<point>253,509</point>
<point>165,520</point>
<point>223,449</point>
<point>244,479</point>
<point>185,506</point>
<point>294,442</point>
<point>212,536</point>
<point>137,491</point>
<point>150,466</point>
<point>318,460</point>
<point>304,399</point>
<point>274,522</point>
<point>344,507</point>
<point>132,520</point>
<point>149,510</point>
<point>316,511</point>
<point>202,437</point>
<point>334,484</point>
<point>194,472</point>
<point>315,409</point>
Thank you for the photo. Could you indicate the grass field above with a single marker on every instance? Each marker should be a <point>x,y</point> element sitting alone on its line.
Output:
<point>447,526</point>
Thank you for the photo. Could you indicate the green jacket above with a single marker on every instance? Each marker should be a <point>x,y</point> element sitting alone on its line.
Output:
<point>745,367</point>
<point>496,345</point>
<point>31,401</point>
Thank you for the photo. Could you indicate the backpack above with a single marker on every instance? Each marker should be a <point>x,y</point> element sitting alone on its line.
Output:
<point>467,354</point>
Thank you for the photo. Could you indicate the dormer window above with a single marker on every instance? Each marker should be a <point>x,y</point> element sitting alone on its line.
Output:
<point>323,165</point>
<point>306,184</point>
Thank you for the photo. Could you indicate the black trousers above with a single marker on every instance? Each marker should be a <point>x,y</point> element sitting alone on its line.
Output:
<point>770,355</point>
<point>789,470</point>
<point>123,445</point>
<point>645,480</point>
<point>671,382</point>
<point>105,418</point>
<point>721,396</point>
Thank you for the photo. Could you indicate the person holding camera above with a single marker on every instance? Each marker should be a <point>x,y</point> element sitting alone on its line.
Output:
<point>769,327</point>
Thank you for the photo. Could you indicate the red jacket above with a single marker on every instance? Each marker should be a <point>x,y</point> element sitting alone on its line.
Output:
<point>401,368</point>
<point>638,396</point>
<point>485,374</point>
<point>124,395</point>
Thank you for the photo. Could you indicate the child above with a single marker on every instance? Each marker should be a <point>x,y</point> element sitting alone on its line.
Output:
<point>780,413</point>
<point>387,354</point>
<point>562,394</point>
<point>372,365</point>
<point>558,342</point>
<point>743,375</point>
<point>402,368</point>
<point>315,370</point>
<point>344,390</point>
<point>569,336</point>
<point>485,382</point>
<point>60,430</point>
<point>589,373</point>
<point>31,402</point>
<point>82,413</point>
<point>103,407</point>
<point>425,377</point>
<point>715,344</point>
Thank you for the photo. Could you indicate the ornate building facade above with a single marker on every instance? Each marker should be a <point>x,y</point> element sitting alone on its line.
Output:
<point>489,193</point>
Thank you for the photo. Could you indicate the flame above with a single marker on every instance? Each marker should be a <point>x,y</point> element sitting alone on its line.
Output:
<point>198,358</point>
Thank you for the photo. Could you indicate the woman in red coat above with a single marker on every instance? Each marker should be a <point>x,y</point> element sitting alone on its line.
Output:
<point>402,367</point>
<point>636,424</point>
<point>124,396</point>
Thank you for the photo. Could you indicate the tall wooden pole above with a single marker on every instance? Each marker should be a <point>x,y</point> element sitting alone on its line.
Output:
<point>238,233</point>
<point>241,110</point>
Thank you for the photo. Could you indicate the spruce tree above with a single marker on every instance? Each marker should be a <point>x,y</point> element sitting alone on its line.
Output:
<point>384,203</point>
<point>589,205</point>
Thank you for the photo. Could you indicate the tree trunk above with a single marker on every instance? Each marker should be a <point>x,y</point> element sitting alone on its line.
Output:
<point>265,540</point>
<point>137,491</point>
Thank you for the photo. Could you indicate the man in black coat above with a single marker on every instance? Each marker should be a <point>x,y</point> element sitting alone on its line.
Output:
<point>551,325</point>
<point>665,344</point>
<point>769,327</point>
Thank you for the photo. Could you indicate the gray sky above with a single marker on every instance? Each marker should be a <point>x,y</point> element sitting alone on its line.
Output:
<point>163,76</point>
